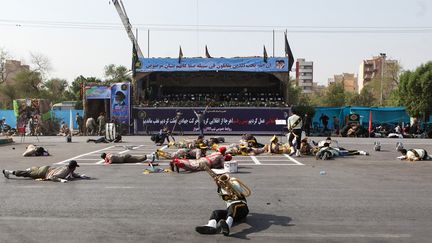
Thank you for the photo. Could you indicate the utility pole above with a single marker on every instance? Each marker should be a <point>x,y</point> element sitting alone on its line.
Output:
<point>383,58</point>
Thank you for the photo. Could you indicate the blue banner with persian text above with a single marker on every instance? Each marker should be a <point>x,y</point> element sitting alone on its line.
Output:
<point>252,64</point>
<point>224,120</point>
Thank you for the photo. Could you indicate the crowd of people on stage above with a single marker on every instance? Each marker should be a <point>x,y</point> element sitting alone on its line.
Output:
<point>226,99</point>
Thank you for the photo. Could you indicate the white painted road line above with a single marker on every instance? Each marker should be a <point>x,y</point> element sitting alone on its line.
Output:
<point>82,155</point>
<point>330,235</point>
<point>255,160</point>
<point>266,164</point>
<point>122,152</point>
<point>293,160</point>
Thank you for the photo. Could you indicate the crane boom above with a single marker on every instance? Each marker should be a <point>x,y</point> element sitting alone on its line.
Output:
<point>118,4</point>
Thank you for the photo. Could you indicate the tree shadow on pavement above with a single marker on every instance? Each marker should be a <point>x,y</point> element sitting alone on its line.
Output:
<point>259,222</point>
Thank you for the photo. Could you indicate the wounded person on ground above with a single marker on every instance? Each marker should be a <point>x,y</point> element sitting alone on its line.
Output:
<point>414,154</point>
<point>111,158</point>
<point>33,150</point>
<point>117,139</point>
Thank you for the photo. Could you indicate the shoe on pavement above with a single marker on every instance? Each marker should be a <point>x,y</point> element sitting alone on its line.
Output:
<point>6,174</point>
<point>206,230</point>
<point>293,152</point>
<point>297,154</point>
<point>224,227</point>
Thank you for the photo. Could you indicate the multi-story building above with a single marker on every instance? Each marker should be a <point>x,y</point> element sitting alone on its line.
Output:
<point>11,70</point>
<point>372,68</point>
<point>304,75</point>
<point>348,80</point>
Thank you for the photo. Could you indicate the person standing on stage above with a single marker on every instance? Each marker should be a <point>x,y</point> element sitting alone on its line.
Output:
<point>177,122</point>
<point>200,118</point>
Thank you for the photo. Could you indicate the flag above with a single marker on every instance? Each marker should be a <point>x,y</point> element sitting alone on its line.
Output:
<point>370,122</point>
<point>265,55</point>
<point>288,53</point>
<point>180,55</point>
<point>135,60</point>
<point>207,53</point>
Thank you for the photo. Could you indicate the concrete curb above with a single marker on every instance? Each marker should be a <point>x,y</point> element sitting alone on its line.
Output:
<point>5,140</point>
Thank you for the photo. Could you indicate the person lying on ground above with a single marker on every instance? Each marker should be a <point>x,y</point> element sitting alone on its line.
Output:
<point>251,141</point>
<point>117,139</point>
<point>215,160</point>
<point>48,173</point>
<point>306,148</point>
<point>414,154</point>
<point>280,148</point>
<point>184,153</point>
<point>33,150</point>
<point>327,152</point>
<point>111,158</point>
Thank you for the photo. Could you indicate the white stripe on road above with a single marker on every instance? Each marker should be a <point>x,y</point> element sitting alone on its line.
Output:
<point>255,160</point>
<point>330,235</point>
<point>82,155</point>
<point>292,159</point>
<point>265,164</point>
<point>122,152</point>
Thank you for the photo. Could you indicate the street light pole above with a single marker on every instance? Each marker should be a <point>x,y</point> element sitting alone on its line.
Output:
<point>383,57</point>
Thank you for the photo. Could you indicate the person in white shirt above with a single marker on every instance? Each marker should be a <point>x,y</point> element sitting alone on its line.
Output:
<point>414,154</point>
<point>295,125</point>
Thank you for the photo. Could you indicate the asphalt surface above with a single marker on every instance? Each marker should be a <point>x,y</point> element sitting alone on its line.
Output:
<point>375,198</point>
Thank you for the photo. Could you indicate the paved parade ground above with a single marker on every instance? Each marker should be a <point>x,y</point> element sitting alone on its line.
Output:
<point>375,198</point>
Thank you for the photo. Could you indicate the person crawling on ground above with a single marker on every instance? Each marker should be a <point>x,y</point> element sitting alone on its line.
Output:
<point>48,173</point>
<point>33,150</point>
<point>414,154</point>
<point>110,158</point>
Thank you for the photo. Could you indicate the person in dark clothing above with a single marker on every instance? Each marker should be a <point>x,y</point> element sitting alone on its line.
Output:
<point>324,120</point>
<point>163,135</point>
<point>200,119</point>
<point>307,124</point>
<point>177,122</point>
<point>117,139</point>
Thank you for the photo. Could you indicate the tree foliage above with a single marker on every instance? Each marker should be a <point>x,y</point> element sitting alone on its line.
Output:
<point>415,90</point>
<point>365,98</point>
<point>334,95</point>
<point>117,74</point>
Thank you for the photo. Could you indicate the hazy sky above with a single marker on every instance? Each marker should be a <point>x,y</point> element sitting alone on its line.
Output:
<point>82,36</point>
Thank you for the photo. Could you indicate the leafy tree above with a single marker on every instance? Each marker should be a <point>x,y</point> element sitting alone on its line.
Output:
<point>365,98</point>
<point>293,93</point>
<point>117,74</point>
<point>334,95</point>
<point>3,57</point>
<point>7,93</point>
<point>415,90</point>
<point>29,84</point>
<point>55,89</point>
<point>73,92</point>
